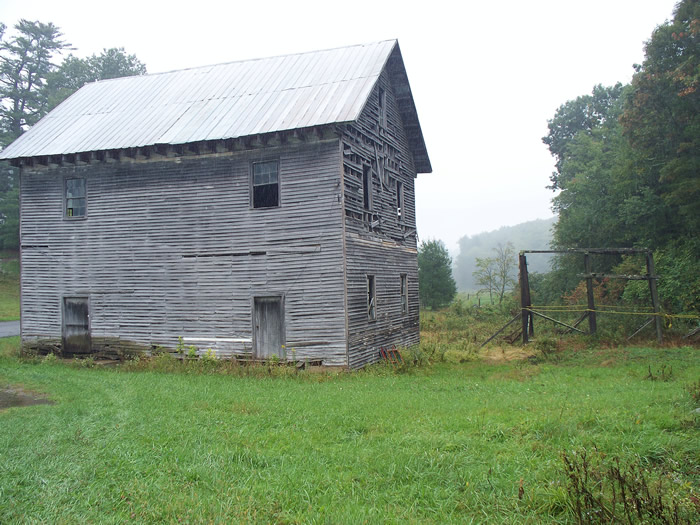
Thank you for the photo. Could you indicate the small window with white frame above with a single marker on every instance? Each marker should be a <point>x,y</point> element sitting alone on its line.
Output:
<point>75,193</point>
<point>266,184</point>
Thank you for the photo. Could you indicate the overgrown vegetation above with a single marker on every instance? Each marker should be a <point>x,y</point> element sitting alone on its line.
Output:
<point>603,490</point>
<point>457,434</point>
<point>627,170</point>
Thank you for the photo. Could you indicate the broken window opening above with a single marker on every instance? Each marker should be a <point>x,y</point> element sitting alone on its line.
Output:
<point>266,188</point>
<point>404,293</point>
<point>75,196</point>
<point>371,299</point>
<point>367,187</point>
<point>399,200</point>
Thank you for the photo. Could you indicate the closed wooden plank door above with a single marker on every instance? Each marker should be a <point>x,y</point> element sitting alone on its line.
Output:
<point>76,326</point>
<point>268,319</point>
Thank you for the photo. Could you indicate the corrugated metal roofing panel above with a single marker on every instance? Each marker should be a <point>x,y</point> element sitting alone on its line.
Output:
<point>210,103</point>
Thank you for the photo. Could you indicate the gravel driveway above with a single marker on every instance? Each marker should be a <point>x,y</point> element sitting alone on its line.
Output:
<point>9,328</point>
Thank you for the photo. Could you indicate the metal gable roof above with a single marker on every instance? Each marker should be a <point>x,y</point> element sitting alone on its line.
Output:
<point>222,101</point>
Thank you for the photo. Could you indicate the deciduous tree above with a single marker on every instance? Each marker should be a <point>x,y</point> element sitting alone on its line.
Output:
<point>75,72</point>
<point>495,274</point>
<point>436,285</point>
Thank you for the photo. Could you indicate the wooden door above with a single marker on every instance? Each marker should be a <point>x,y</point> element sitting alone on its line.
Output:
<point>76,326</point>
<point>268,327</point>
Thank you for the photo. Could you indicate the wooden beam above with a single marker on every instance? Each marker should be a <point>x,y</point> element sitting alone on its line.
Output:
<point>518,316</point>
<point>114,155</point>
<point>596,251</point>
<point>524,294</point>
<point>647,323</point>
<point>616,276</point>
<point>556,321</point>
<point>84,158</point>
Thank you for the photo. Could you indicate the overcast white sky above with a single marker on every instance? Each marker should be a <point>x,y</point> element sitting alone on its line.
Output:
<point>485,75</point>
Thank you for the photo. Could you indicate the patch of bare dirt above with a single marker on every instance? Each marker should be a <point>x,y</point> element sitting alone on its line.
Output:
<point>16,397</point>
<point>505,354</point>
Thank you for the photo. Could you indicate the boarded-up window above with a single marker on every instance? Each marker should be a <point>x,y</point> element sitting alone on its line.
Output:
<point>76,325</point>
<point>266,186</point>
<point>371,298</point>
<point>75,197</point>
<point>404,293</point>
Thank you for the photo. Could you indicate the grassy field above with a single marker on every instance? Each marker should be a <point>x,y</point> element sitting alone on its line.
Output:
<point>478,442</point>
<point>9,286</point>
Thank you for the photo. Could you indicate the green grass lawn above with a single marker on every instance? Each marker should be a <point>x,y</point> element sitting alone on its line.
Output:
<point>444,443</point>
<point>9,286</point>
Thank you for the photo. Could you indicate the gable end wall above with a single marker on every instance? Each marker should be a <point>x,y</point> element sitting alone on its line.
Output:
<point>376,242</point>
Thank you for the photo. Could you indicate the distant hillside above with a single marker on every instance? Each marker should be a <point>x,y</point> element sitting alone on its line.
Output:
<point>532,235</point>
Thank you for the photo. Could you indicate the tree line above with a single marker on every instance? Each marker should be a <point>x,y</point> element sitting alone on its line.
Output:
<point>32,83</point>
<point>627,174</point>
<point>628,169</point>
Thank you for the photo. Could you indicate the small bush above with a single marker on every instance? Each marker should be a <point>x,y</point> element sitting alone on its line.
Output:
<point>83,362</point>
<point>415,355</point>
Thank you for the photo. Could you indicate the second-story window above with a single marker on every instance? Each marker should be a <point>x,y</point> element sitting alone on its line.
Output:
<point>266,184</point>
<point>75,197</point>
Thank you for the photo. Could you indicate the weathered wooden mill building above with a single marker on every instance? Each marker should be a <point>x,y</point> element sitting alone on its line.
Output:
<point>255,208</point>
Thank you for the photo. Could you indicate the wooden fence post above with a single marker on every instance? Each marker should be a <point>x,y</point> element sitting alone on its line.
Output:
<point>651,275</point>
<point>592,324</point>
<point>525,305</point>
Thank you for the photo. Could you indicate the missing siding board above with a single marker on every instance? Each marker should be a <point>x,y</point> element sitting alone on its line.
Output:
<point>382,107</point>
<point>371,298</point>
<point>367,187</point>
<point>266,187</point>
